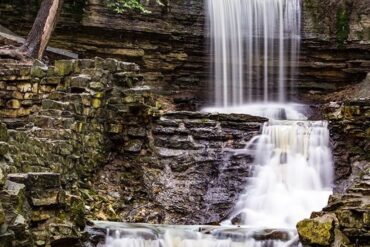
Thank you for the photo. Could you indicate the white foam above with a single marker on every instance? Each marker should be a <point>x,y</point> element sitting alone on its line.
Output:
<point>268,110</point>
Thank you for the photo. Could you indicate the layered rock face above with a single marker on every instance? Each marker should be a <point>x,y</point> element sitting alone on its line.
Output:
<point>335,46</point>
<point>167,43</point>
<point>187,174</point>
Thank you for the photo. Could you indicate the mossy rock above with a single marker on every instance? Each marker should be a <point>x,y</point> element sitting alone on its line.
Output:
<point>39,69</point>
<point>2,215</point>
<point>4,137</point>
<point>64,67</point>
<point>318,231</point>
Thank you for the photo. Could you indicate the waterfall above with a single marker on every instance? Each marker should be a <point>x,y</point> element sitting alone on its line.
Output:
<point>253,42</point>
<point>293,174</point>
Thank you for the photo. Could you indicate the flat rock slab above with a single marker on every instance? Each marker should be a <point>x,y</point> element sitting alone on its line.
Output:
<point>36,180</point>
<point>42,189</point>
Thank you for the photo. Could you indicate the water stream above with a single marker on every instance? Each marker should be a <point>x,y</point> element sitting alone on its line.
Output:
<point>254,49</point>
<point>293,173</point>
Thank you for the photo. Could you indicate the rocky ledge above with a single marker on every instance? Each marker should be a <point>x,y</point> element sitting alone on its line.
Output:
<point>345,221</point>
<point>188,168</point>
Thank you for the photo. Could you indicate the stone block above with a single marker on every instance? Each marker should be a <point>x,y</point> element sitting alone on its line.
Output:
<point>41,215</point>
<point>13,104</point>
<point>45,197</point>
<point>63,235</point>
<point>133,146</point>
<point>115,128</point>
<point>24,87</point>
<point>53,80</point>
<point>81,81</point>
<point>39,69</point>
<point>83,64</point>
<point>96,103</point>
<point>64,67</point>
<point>110,64</point>
<point>95,85</point>
<point>136,131</point>
<point>43,180</point>
<point>20,178</point>
<point>350,218</point>
<point>17,95</point>
<point>13,188</point>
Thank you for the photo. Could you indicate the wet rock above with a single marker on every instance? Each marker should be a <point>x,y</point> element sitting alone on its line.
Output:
<point>6,239</point>
<point>316,231</point>
<point>3,133</point>
<point>133,146</point>
<point>63,235</point>
<point>2,215</point>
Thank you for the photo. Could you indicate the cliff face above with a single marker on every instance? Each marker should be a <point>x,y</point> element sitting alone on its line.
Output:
<point>167,44</point>
<point>336,44</point>
<point>170,43</point>
<point>342,21</point>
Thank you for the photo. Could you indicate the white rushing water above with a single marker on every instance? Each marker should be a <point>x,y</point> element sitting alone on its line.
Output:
<point>253,42</point>
<point>293,174</point>
<point>191,236</point>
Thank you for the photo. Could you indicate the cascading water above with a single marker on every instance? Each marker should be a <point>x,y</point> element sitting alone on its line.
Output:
<point>292,177</point>
<point>253,42</point>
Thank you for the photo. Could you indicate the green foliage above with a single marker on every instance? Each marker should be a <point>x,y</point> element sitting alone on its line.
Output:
<point>120,6</point>
<point>342,25</point>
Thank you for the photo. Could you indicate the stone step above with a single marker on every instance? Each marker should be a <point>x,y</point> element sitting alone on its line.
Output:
<point>177,142</point>
<point>70,97</point>
<point>55,113</point>
<point>52,134</point>
<point>159,130</point>
<point>55,105</point>
<point>361,190</point>
<point>52,122</point>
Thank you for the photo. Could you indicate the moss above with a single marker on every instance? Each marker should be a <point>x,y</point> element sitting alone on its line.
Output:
<point>78,212</point>
<point>318,231</point>
<point>342,25</point>
<point>3,133</point>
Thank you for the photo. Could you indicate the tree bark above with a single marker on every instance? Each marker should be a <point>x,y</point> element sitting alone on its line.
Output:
<point>44,25</point>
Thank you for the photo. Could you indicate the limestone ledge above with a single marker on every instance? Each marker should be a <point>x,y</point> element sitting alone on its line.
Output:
<point>345,220</point>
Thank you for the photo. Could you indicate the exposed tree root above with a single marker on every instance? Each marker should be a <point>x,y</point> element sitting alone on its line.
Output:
<point>13,53</point>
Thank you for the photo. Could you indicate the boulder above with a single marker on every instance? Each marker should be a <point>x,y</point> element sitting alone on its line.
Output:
<point>317,231</point>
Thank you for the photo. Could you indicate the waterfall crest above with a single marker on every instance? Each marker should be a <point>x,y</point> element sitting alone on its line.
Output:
<point>253,42</point>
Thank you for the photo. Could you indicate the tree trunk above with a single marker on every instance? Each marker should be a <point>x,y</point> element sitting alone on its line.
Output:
<point>42,28</point>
